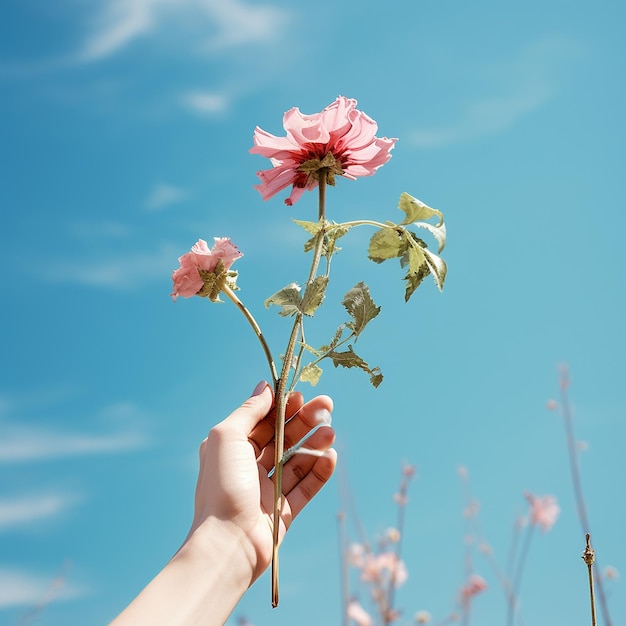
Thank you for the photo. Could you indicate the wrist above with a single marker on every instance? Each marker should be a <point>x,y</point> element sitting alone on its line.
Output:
<point>222,546</point>
<point>200,585</point>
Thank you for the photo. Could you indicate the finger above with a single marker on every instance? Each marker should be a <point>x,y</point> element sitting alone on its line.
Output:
<point>252,411</point>
<point>312,414</point>
<point>303,460</point>
<point>310,484</point>
<point>315,412</point>
<point>263,432</point>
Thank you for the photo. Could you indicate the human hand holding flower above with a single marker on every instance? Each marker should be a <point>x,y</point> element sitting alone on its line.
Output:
<point>338,141</point>
<point>229,544</point>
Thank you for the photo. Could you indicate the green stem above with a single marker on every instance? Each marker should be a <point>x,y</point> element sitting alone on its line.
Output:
<point>282,395</point>
<point>366,223</point>
<point>257,330</point>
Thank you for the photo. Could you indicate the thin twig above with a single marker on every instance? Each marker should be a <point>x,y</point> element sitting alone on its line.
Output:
<point>566,412</point>
<point>589,556</point>
<point>517,578</point>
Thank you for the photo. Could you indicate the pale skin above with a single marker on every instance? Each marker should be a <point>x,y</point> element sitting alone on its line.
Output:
<point>229,544</point>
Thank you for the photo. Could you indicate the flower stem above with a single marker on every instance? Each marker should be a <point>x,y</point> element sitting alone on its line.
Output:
<point>282,395</point>
<point>257,330</point>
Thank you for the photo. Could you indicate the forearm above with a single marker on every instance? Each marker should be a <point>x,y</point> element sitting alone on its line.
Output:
<point>201,585</point>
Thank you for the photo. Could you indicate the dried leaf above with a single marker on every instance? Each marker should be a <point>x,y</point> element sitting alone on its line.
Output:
<point>314,295</point>
<point>311,374</point>
<point>386,243</point>
<point>360,306</point>
<point>349,358</point>
<point>416,210</point>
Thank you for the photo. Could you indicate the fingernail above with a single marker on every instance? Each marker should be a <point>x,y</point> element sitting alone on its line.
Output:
<point>260,388</point>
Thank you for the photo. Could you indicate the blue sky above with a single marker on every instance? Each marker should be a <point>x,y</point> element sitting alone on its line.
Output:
<point>125,128</point>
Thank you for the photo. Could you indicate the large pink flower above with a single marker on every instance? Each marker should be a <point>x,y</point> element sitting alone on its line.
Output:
<point>544,511</point>
<point>187,279</point>
<point>340,139</point>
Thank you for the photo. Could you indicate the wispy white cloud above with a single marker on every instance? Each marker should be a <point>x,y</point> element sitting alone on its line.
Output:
<point>28,509</point>
<point>19,444</point>
<point>521,85</point>
<point>21,588</point>
<point>122,271</point>
<point>103,229</point>
<point>236,22</point>
<point>164,195</point>
<point>205,102</point>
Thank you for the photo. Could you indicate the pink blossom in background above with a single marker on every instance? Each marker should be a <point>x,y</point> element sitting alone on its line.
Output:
<point>340,138</point>
<point>356,555</point>
<point>400,499</point>
<point>385,564</point>
<point>408,470</point>
<point>422,617</point>
<point>611,572</point>
<point>187,280</point>
<point>475,585</point>
<point>544,511</point>
<point>357,613</point>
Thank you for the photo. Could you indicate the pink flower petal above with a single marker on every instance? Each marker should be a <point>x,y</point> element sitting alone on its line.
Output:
<point>340,129</point>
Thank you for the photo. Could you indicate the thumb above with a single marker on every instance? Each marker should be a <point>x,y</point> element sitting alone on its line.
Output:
<point>253,410</point>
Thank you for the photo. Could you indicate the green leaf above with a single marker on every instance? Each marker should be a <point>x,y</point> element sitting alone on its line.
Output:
<point>416,210</point>
<point>288,298</point>
<point>313,295</point>
<point>386,243</point>
<point>311,374</point>
<point>360,306</point>
<point>310,227</point>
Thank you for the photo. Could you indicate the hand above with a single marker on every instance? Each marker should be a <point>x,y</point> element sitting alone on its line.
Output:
<point>230,541</point>
<point>233,484</point>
